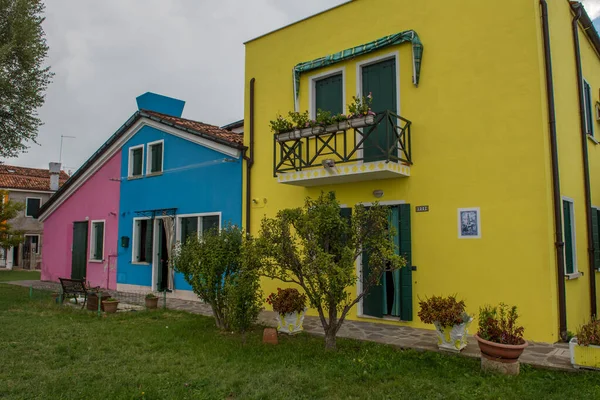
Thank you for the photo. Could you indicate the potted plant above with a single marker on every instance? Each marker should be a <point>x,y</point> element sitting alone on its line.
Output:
<point>92,299</point>
<point>499,337</point>
<point>290,306</point>
<point>450,319</point>
<point>110,305</point>
<point>585,347</point>
<point>151,301</point>
<point>360,111</point>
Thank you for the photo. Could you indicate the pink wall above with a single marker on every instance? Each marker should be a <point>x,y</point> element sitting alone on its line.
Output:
<point>96,199</point>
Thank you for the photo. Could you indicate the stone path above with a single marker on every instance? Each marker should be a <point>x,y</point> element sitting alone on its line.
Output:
<point>544,355</point>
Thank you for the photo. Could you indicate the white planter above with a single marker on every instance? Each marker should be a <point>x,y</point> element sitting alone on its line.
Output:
<point>290,323</point>
<point>332,128</point>
<point>316,130</point>
<point>291,135</point>
<point>452,338</point>
<point>343,125</point>
<point>587,357</point>
<point>306,132</point>
<point>361,122</point>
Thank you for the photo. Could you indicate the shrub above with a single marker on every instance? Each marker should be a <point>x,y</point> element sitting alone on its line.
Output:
<point>360,106</point>
<point>287,301</point>
<point>447,311</point>
<point>499,325</point>
<point>280,124</point>
<point>243,300</point>
<point>299,120</point>
<point>589,334</point>
<point>150,296</point>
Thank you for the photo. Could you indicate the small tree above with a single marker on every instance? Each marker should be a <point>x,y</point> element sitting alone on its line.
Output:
<point>214,267</point>
<point>8,210</point>
<point>316,248</point>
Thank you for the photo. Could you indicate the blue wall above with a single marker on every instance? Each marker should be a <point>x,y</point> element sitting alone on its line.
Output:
<point>209,185</point>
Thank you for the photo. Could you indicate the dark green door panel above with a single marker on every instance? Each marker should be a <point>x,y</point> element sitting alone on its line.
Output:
<point>380,80</point>
<point>568,228</point>
<point>406,303</point>
<point>329,95</point>
<point>79,250</point>
<point>158,262</point>
<point>373,300</point>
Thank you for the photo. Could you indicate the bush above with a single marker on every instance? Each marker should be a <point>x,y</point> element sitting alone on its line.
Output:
<point>243,300</point>
<point>447,311</point>
<point>589,334</point>
<point>499,325</point>
<point>287,301</point>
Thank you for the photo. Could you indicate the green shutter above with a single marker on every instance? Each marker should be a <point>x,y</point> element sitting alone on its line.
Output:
<point>373,300</point>
<point>156,150</point>
<point>589,108</point>
<point>406,300</point>
<point>329,94</point>
<point>568,232</point>
<point>596,228</point>
<point>149,240</point>
<point>99,240</point>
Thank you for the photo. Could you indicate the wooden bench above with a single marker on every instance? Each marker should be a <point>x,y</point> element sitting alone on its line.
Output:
<point>73,288</point>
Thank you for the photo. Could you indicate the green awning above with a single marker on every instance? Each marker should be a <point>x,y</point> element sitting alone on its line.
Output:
<point>398,38</point>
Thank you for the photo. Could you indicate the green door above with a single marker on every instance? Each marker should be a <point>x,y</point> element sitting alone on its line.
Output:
<point>568,231</point>
<point>79,250</point>
<point>380,80</point>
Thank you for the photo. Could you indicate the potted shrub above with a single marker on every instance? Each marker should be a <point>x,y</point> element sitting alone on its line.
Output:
<point>151,301</point>
<point>110,305</point>
<point>92,300</point>
<point>499,337</point>
<point>450,319</point>
<point>360,111</point>
<point>290,306</point>
<point>585,347</point>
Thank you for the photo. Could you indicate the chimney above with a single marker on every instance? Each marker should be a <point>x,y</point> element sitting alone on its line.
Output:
<point>54,175</point>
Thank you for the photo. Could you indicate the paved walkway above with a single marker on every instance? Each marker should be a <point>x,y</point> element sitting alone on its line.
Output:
<point>543,355</point>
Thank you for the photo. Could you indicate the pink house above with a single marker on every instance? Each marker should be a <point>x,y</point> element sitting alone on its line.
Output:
<point>81,225</point>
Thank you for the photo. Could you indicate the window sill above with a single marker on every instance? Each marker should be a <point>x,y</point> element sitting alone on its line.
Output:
<point>140,263</point>
<point>573,275</point>
<point>96,261</point>
<point>132,178</point>
<point>593,139</point>
<point>154,174</point>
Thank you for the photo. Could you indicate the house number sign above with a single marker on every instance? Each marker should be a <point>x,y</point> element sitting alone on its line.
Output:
<point>422,209</point>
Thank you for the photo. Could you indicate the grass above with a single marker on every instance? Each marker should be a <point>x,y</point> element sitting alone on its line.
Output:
<point>66,353</point>
<point>20,275</point>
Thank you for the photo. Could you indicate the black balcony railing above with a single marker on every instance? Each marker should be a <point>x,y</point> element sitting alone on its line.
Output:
<point>384,138</point>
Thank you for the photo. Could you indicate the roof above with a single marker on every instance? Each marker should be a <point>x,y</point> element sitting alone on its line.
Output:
<point>23,178</point>
<point>210,132</point>
<point>588,25</point>
<point>234,125</point>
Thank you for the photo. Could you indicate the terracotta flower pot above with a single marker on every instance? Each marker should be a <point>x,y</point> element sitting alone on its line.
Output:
<point>505,353</point>
<point>151,303</point>
<point>110,306</point>
<point>92,301</point>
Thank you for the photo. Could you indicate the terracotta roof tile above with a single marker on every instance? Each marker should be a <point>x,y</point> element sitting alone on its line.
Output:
<point>210,130</point>
<point>13,177</point>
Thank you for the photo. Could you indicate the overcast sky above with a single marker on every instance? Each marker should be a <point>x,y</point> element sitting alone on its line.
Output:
<point>106,53</point>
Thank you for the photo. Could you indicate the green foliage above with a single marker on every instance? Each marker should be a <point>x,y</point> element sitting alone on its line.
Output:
<point>23,78</point>
<point>287,301</point>
<point>150,296</point>
<point>324,118</point>
<point>299,120</point>
<point>360,106</point>
<point>447,311</point>
<point>589,334</point>
<point>280,124</point>
<point>8,211</point>
<point>111,300</point>
<point>316,248</point>
<point>215,268</point>
<point>499,325</point>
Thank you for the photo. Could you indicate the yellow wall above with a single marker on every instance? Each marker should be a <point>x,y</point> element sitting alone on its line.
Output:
<point>480,139</point>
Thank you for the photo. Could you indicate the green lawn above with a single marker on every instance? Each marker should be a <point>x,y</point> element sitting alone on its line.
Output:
<point>65,353</point>
<point>8,275</point>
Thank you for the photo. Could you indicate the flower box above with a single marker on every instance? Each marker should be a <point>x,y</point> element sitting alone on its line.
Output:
<point>290,135</point>
<point>452,338</point>
<point>584,356</point>
<point>361,122</point>
<point>290,323</point>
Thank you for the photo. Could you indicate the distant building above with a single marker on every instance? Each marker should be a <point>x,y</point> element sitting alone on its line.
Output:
<point>235,127</point>
<point>33,187</point>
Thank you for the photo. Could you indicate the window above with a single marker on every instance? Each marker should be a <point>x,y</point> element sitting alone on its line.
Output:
<point>142,240</point>
<point>32,206</point>
<point>136,161</point>
<point>589,108</point>
<point>569,237</point>
<point>155,157</point>
<point>32,244</point>
<point>97,241</point>
<point>329,94</point>
<point>190,225</point>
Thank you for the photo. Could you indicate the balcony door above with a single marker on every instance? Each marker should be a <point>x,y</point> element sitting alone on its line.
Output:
<point>379,79</point>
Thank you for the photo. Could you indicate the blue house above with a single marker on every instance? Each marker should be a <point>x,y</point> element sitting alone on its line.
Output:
<point>178,178</point>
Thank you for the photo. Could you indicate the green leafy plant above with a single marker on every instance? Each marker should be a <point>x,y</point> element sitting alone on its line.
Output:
<point>324,118</point>
<point>150,296</point>
<point>499,325</point>
<point>361,107</point>
<point>446,311</point>
<point>299,120</point>
<point>243,299</point>
<point>339,118</point>
<point>9,237</point>
<point>589,334</point>
<point>287,301</point>
<point>111,299</point>
<point>280,124</point>
<point>316,248</point>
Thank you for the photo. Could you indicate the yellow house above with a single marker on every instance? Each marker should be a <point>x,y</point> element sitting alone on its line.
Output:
<point>484,142</point>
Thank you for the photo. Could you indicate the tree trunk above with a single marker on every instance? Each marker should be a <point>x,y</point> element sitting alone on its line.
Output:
<point>330,334</point>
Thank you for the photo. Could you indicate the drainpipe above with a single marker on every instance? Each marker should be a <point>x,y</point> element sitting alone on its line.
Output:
<point>584,152</point>
<point>559,244</point>
<point>250,159</point>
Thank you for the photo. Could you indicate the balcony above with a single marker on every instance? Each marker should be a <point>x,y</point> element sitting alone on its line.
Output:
<point>361,149</point>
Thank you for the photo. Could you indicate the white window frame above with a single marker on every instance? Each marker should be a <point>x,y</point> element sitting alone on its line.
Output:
<point>27,205</point>
<point>37,250</point>
<point>588,111</point>
<point>359,83</point>
<point>149,158</point>
<point>135,241</point>
<point>198,215</point>
<point>478,211</point>
<point>312,90</point>
<point>91,245</point>
<point>130,161</point>
<point>576,274</point>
